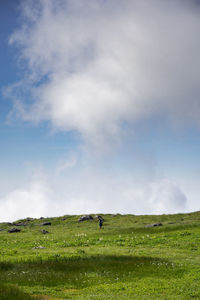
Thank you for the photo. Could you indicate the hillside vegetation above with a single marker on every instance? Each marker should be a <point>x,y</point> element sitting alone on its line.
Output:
<point>126,259</point>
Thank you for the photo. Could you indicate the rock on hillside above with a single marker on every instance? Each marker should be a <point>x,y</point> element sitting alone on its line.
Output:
<point>85,218</point>
<point>14,230</point>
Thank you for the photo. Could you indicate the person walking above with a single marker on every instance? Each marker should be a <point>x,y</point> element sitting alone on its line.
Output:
<point>100,222</point>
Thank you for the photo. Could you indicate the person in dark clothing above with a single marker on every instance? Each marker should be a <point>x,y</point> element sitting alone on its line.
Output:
<point>100,221</point>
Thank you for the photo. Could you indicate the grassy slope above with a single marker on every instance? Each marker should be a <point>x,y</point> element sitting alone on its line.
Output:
<point>124,260</point>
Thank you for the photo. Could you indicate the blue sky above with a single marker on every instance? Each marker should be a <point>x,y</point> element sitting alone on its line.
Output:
<point>99,107</point>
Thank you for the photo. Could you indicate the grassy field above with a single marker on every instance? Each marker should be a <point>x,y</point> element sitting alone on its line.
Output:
<point>124,260</point>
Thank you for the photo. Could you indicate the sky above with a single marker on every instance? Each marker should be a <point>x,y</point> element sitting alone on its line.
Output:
<point>99,107</point>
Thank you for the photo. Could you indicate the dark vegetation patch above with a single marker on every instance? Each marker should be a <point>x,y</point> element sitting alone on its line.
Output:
<point>12,292</point>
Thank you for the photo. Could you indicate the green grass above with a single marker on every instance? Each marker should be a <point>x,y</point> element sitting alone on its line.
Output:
<point>124,260</point>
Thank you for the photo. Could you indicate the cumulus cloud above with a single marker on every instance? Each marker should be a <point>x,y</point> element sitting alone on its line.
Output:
<point>95,66</point>
<point>166,197</point>
<point>31,200</point>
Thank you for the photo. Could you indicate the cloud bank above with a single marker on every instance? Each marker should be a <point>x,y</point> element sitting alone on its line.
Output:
<point>89,194</point>
<point>94,67</point>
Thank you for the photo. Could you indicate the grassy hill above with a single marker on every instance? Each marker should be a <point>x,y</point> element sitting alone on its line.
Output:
<point>126,259</point>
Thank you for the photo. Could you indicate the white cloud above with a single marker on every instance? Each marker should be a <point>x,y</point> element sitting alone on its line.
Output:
<point>92,193</point>
<point>28,201</point>
<point>166,197</point>
<point>109,62</point>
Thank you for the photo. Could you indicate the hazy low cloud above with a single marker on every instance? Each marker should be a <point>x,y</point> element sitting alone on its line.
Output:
<point>92,192</point>
<point>94,66</point>
<point>166,197</point>
<point>31,200</point>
